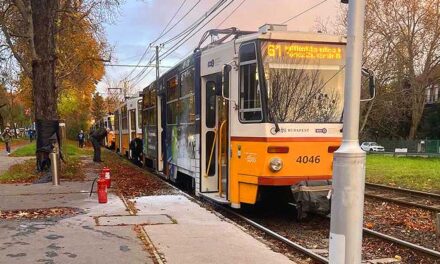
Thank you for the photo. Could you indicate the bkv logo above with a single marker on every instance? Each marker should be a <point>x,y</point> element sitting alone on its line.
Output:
<point>321,130</point>
<point>211,63</point>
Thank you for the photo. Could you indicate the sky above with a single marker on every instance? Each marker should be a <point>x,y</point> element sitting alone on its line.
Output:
<point>141,22</point>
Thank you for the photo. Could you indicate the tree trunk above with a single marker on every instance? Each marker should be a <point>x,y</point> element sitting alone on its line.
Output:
<point>43,77</point>
<point>418,105</point>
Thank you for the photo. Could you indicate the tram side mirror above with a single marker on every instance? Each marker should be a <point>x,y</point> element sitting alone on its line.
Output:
<point>368,85</point>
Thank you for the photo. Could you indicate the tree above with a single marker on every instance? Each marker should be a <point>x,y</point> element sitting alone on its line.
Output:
<point>409,33</point>
<point>30,29</point>
<point>98,107</point>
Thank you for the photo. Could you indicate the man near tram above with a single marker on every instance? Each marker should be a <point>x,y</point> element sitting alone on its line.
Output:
<point>96,137</point>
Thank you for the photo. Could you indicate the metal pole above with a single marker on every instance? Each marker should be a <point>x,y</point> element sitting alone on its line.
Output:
<point>349,159</point>
<point>55,166</point>
<point>157,66</point>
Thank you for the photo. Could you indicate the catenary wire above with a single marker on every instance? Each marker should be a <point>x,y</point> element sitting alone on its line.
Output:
<point>303,12</point>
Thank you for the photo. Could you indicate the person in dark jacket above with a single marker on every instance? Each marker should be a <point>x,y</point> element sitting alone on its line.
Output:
<point>7,138</point>
<point>81,138</point>
<point>96,138</point>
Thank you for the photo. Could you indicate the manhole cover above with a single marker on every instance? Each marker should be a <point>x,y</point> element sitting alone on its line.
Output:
<point>117,220</point>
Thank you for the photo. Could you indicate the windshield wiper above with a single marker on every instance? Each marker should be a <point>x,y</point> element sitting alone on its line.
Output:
<point>274,120</point>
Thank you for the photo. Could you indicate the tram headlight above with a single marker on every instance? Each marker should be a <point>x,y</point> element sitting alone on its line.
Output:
<point>276,164</point>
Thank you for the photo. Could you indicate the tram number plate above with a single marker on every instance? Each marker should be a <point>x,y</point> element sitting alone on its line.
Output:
<point>308,159</point>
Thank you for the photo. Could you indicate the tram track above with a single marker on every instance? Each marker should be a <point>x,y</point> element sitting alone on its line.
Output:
<point>314,254</point>
<point>424,200</point>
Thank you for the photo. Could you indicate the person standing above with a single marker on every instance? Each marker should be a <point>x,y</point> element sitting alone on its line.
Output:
<point>7,138</point>
<point>31,134</point>
<point>96,138</point>
<point>81,138</point>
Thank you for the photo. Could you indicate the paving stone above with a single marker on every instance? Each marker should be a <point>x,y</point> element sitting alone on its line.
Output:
<point>116,220</point>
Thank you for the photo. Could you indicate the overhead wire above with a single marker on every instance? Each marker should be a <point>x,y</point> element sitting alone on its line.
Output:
<point>191,27</point>
<point>149,46</point>
<point>169,22</point>
<point>233,11</point>
<point>180,20</point>
<point>188,36</point>
<point>303,12</point>
<point>198,21</point>
<point>143,74</point>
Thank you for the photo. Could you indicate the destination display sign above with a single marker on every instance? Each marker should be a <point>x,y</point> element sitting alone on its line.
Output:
<point>303,51</point>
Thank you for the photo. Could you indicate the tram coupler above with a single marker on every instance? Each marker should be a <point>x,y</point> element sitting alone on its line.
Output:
<point>311,197</point>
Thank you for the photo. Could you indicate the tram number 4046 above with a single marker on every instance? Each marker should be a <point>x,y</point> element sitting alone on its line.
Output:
<point>308,159</point>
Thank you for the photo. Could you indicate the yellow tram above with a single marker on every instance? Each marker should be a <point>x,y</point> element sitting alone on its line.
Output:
<point>252,110</point>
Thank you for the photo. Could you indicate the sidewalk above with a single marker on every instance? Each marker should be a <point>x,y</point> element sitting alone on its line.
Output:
<point>175,229</point>
<point>75,239</point>
<point>200,236</point>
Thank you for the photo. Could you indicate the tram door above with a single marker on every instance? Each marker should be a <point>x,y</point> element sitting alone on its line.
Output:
<point>215,137</point>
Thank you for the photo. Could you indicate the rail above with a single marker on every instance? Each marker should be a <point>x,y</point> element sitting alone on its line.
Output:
<point>403,196</point>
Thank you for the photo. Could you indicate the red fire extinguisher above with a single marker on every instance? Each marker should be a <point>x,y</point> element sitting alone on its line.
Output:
<point>106,172</point>
<point>102,188</point>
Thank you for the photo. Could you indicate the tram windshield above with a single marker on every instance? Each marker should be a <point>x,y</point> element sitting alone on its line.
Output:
<point>304,82</point>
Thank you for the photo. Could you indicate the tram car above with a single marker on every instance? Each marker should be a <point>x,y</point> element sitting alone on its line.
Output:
<point>128,120</point>
<point>249,112</point>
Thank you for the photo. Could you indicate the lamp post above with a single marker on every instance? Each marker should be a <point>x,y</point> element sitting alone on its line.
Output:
<point>349,160</point>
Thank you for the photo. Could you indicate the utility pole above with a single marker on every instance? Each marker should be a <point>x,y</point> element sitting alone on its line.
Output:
<point>349,160</point>
<point>157,67</point>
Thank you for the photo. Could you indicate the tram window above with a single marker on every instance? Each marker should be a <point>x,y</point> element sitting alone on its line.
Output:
<point>188,110</point>
<point>172,89</point>
<point>124,117</point>
<point>139,114</point>
<point>117,120</point>
<point>172,110</point>
<point>210,104</point>
<point>153,97</point>
<point>151,116</point>
<point>187,82</point>
<point>250,94</point>
<point>247,52</point>
<point>133,119</point>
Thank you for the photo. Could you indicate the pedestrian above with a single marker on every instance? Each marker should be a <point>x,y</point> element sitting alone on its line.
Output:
<point>96,138</point>
<point>31,134</point>
<point>7,138</point>
<point>81,138</point>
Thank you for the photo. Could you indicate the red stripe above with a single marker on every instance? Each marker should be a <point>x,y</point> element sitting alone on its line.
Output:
<point>287,181</point>
<point>288,139</point>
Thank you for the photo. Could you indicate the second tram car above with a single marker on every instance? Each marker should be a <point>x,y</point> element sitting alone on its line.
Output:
<point>128,120</point>
<point>259,111</point>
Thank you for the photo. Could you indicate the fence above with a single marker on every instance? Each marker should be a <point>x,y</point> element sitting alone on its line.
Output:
<point>413,146</point>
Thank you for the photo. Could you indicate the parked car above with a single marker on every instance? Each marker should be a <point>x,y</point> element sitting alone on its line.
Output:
<point>372,146</point>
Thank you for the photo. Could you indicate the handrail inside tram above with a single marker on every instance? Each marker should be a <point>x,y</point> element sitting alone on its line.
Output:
<point>212,152</point>
<point>220,159</point>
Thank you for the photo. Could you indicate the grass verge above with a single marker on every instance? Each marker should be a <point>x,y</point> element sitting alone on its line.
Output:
<point>25,172</point>
<point>70,149</point>
<point>416,173</point>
